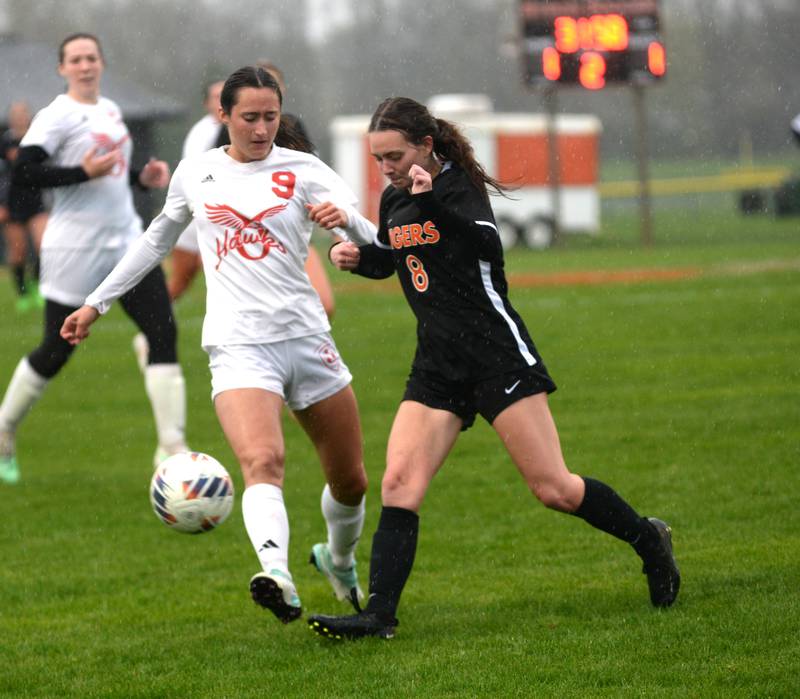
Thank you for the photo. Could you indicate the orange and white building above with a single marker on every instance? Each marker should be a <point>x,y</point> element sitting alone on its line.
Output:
<point>513,147</point>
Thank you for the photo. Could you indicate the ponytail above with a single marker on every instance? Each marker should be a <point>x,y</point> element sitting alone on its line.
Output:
<point>450,144</point>
<point>291,134</point>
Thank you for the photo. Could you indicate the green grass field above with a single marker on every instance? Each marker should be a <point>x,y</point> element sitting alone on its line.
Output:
<point>682,394</point>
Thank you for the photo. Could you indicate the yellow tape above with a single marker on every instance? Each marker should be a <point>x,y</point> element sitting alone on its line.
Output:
<point>732,181</point>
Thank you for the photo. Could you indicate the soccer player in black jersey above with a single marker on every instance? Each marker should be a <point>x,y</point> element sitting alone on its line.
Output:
<point>474,356</point>
<point>25,213</point>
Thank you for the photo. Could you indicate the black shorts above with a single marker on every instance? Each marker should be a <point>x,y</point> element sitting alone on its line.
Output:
<point>487,397</point>
<point>24,204</point>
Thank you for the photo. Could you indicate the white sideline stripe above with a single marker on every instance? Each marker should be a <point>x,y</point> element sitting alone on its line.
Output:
<point>497,302</point>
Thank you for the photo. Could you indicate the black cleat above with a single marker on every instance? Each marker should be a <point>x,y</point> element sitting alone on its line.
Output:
<point>354,626</point>
<point>663,576</point>
<point>276,592</point>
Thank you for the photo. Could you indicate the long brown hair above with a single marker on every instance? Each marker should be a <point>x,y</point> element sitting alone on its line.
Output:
<point>415,122</point>
<point>288,136</point>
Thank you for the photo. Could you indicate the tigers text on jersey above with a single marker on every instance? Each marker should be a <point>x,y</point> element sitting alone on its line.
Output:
<point>444,246</point>
<point>253,232</point>
<point>100,212</point>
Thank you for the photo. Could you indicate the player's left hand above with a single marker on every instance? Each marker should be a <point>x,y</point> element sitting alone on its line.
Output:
<point>154,175</point>
<point>345,255</point>
<point>76,325</point>
<point>327,215</point>
<point>421,180</point>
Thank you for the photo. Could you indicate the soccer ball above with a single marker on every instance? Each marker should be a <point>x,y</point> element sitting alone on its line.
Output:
<point>191,492</point>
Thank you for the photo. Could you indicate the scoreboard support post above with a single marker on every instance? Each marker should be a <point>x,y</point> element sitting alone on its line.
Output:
<point>553,164</point>
<point>643,167</point>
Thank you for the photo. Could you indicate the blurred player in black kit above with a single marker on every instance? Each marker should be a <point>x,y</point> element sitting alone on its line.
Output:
<point>474,356</point>
<point>23,212</point>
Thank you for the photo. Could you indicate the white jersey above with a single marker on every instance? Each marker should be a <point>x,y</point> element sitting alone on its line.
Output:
<point>202,137</point>
<point>253,233</point>
<point>94,214</point>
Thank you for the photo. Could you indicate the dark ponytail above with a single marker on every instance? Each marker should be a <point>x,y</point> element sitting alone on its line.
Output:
<point>291,134</point>
<point>415,122</point>
<point>288,136</point>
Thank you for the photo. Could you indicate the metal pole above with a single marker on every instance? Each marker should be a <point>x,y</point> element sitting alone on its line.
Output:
<point>642,157</point>
<point>553,169</point>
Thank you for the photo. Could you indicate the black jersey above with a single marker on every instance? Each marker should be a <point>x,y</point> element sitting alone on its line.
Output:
<point>9,143</point>
<point>444,246</point>
<point>8,146</point>
<point>23,201</point>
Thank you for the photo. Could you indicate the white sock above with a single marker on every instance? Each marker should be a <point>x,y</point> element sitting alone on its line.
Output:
<point>345,523</point>
<point>141,348</point>
<point>167,392</point>
<point>267,525</point>
<point>24,389</point>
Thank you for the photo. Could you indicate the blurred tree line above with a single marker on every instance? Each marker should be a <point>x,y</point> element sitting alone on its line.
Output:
<point>731,85</point>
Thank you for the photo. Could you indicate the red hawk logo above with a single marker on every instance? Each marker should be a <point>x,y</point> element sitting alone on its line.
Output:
<point>230,219</point>
<point>106,144</point>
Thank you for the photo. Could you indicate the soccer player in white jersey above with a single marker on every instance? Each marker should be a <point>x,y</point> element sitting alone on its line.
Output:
<point>80,146</point>
<point>265,331</point>
<point>209,132</point>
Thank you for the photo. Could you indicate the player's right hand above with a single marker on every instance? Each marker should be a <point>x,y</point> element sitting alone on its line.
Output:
<point>76,325</point>
<point>99,165</point>
<point>421,180</point>
<point>345,256</point>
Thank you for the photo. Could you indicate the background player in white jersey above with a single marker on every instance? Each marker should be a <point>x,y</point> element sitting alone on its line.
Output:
<point>265,331</point>
<point>80,146</point>
<point>203,136</point>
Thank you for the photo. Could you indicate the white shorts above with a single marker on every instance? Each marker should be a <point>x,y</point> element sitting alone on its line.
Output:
<point>68,275</point>
<point>303,371</point>
<point>188,239</point>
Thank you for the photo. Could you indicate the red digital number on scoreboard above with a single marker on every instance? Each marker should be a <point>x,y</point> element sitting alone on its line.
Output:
<point>595,33</point>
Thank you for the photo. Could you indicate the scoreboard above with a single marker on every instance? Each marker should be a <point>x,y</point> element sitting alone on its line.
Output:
<point>592,43</point>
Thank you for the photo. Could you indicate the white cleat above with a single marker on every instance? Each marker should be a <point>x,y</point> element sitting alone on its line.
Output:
<point>276,591</point>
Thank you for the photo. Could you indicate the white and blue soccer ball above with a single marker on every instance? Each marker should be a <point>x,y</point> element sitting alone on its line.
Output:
<point>191,492</point>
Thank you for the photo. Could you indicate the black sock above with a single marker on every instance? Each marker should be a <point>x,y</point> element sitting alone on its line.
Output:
<point>18,272</point>
<point>604,509</point>
<point>394,546</point>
